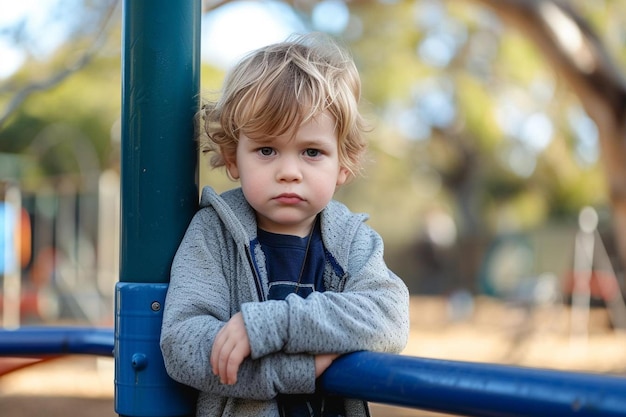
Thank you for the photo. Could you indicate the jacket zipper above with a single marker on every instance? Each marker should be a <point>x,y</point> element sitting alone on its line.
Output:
<point>257,279</point>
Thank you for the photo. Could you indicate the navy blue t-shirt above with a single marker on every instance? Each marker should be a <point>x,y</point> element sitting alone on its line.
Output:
<point>289,272</point>
<point>286,268</point>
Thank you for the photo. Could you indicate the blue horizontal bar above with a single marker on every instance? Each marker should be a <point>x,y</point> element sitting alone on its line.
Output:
<point>47,341</point>
<point>461,388</point>
<point>474,389</point>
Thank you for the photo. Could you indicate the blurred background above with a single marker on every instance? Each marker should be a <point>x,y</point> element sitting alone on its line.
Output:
<point>496,173</point>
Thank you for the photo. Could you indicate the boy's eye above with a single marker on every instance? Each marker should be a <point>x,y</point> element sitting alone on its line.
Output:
<point>265,151</point>
<point>312,153</point>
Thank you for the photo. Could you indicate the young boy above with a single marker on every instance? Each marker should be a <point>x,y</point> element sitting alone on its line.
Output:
<point>274,280</point>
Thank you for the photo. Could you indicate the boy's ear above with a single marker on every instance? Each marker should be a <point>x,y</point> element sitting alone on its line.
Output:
<point>231,167</point>
<point>343,176</point>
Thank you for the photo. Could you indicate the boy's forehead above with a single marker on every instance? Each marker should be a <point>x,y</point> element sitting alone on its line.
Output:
<point>319,120</point>
<point>320,128</point>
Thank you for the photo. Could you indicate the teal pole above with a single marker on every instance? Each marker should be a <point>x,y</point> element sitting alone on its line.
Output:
<point>160,92</point>
<point>159,194</point>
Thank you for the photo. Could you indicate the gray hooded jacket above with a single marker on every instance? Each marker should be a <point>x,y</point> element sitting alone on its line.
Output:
<point>219,270</point>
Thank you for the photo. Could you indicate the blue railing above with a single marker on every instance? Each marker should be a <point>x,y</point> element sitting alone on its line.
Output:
<point>52,341</point>
<point>474,389</point>
<point>461,388</point>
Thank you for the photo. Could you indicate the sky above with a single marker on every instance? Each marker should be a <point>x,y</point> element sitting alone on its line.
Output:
<point>36,17</point>
<point>227,33</point>
<point>238,27</point>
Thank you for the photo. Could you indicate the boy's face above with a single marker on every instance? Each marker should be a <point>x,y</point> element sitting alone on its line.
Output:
<point>289,180</point>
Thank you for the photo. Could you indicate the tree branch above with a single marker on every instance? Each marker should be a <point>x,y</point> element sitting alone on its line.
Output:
<point>573,49</point>
<point>100,37</point>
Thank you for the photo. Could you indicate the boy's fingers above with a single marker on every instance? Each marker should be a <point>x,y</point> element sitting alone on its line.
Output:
<point>215,352</point>
<point>235,359</point>
<point>227,359</point>
<point>222,355</point>
<point>222,363</point>
<point>232,366</point>
<point>230,348</point>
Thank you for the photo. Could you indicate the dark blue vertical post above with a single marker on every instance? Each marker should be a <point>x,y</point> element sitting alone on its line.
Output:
<point>160,95</point>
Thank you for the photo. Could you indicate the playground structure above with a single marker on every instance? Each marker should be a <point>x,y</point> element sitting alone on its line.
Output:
<point>158,197</point>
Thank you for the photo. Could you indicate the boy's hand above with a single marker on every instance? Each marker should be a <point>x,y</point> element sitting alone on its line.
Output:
<point>322,362</point>
<point>230,348</point>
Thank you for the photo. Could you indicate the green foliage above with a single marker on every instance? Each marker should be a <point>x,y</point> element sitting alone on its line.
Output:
<point>476,105</point>
<point>518,60</point>
<point>54,124</point>
<point>492,68</point>
<point>385,51</point>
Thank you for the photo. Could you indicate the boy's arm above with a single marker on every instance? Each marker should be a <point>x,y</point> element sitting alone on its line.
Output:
<point>370,312</point>
<point>197,306</point>
<point>232,346</point>
<point>261,379</point>
<point>186,354</point>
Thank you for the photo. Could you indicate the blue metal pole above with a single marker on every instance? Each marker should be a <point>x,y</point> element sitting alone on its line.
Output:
<point>159,195</point>
<point>474,389</point>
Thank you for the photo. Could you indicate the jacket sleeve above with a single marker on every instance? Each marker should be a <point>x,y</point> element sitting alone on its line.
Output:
<point>369,313</point>
<point>197,305</point>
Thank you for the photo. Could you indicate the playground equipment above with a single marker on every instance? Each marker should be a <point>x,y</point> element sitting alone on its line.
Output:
<point>462,388</point>
<point>159,196</point>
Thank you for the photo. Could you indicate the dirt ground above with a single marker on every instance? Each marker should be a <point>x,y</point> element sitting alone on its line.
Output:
<point>487,331</point>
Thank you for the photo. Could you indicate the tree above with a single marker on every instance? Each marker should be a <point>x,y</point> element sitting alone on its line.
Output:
<point>571,46</point>
<point>57,110</point>
<point>59,72</point>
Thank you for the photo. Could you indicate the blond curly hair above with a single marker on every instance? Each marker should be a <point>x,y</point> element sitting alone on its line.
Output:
<point>279,87</point>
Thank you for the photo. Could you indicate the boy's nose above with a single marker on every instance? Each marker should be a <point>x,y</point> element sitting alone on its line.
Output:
<point>289,170</point>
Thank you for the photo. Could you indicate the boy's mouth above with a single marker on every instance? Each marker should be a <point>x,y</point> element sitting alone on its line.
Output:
<point>289,198</point>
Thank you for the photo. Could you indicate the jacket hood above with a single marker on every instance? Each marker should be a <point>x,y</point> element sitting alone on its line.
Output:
<point>234,211</point>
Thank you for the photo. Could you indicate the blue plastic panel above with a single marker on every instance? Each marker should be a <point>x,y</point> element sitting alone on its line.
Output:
<point>142,386</point>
